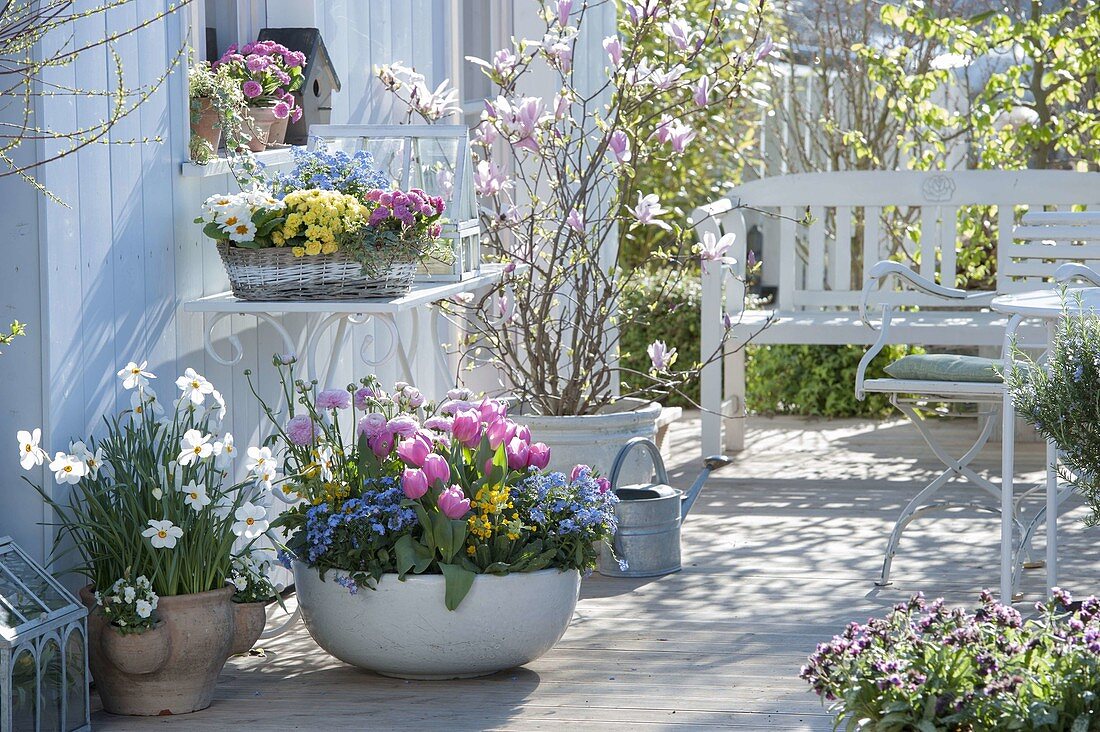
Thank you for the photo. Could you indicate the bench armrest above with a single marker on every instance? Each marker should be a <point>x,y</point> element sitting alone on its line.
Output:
<point>1069,272</point>
<point>886,269</point>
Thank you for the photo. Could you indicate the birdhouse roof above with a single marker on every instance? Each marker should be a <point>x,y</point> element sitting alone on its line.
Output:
<point>309,42</point>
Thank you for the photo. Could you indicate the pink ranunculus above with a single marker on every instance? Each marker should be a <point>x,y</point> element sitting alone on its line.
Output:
<point>437,469</point>
<point>452,406</point>
<point>414,450</point>
<point>372,424</point>
<point>403,425</point>
<point>252,89</point>
<point>497,432</point>
<point>466,427</point>
<point>459,394</point>
<point>301,430</point>
<point>413,396</point>
<point>382,443</point>
<point>362,397</point>
<point>453,502</point>
<point>439,423</point>
<point>334,399</point>
<point>577,470</point>
<point>414,483</point>
<point>516,451</point>
<point>603,484</point>
<point>538,456</point>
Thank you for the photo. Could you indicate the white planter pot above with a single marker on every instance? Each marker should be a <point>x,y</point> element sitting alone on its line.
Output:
<point>595,439</point>
<point>403,629</point>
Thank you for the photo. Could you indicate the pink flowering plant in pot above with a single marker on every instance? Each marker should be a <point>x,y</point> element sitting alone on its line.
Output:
<point>557,185</point>
<point>390,483</point>
<point>268,73</point>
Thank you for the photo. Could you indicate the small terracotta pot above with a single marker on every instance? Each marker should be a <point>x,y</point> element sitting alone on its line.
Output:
<point>249,619</point>
<point>137,653</point>
<point>278,131</point>
<point>200,633</point>
<point>257,127</point>
<point>204,119</point>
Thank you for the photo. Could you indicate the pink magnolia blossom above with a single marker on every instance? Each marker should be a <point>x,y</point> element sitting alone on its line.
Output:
<point>648,209</point>
<point>565,7</point>
<point>660,355</point>
<point>414,483</point>
<point>436,469</point>
<point>453,502</point>
<point>562,102</point>
<point>665,79</point>
<point>701,92</point>
<point>619,145</point>
<point>575,221</point>
<point>765,49</point>
<point>679,32</point>
<point>560,54</point>
<point>614,48</point>
<point>713,249</point>
<point>680,135</point>
<point>490,179</point>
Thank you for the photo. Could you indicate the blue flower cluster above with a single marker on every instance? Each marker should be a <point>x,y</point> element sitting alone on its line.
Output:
<point>357,522</point>
<point>354,174</point>
<point>567,508</point>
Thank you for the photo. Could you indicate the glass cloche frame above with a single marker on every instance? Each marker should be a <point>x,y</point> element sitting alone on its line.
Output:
<point>435,158</point>
<point>43,648</point>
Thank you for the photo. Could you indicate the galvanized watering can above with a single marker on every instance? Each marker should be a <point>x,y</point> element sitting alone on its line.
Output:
<point>650,514</point>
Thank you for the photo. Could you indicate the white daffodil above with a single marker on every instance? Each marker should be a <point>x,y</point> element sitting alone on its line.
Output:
<point>194,387</point>
<point>217,408</point>
<point>266,476</point>
<point>194,446</point>
<point>134,375</point>
<point>326,457</point>
<point>227,454</point>
<point>92,460</point>
<point>143,608</point>
<point>259,458</point>
<point>251,520</point>
<point>67,468</point>
<point>162,534</point>
<point>30,454</point>
<point>195,496</point>
<point>145,398</point>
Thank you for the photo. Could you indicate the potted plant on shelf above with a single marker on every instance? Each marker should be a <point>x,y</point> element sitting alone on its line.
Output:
<point>217,108</point>
<point>556,200</point>
<point>417,516</point>
<point>267,73</point>
<point>153,501</point>
<point>323,243</point>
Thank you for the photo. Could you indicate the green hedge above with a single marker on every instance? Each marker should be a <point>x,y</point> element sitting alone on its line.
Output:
<point>780,379</point>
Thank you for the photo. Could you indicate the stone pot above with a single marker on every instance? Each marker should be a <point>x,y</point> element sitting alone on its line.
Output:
<point>199,630</point>
<point>204,122</point>
<point>249,619</point>
<point>278,131</point>
<point>256,127</point>
<point>595,439</point>
<point>403,629</point>
<point>136,653</point>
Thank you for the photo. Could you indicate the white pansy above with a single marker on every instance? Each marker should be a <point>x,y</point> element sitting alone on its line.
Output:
<point>251,520</point>
<point>195,496</point>
<point>194,386</point>
<point>67,468</point>
<point>129,594</point>
<point>162,534</point>
<point>239,581</point>
<point>228,452</point>
<point>194,446</point>
<point>143,608</point>
<point>30,454</point>
<point>134,375</point>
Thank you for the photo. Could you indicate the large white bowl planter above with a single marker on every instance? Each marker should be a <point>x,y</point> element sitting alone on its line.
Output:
<point>403,629</point>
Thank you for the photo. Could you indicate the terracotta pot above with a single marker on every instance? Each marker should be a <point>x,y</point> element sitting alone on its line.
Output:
<point>136,653</point>
<point>257,127</point>
<point>200,634</point>
<point>278,131</point>
<point>204,119</point>
<point>249,619</point>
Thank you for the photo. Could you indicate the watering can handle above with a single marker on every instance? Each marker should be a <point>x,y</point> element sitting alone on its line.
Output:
<point>654,454</point>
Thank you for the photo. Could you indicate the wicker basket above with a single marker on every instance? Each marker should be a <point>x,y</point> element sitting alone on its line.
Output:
<point>275,273</point>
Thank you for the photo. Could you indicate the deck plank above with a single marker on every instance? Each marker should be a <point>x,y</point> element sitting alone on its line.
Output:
<point>779,554</point>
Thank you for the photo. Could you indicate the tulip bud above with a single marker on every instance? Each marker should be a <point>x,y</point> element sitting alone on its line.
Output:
<point>453,502</point>
<point>414,483</point>
<point>437,469</point>
<point>538,456</point>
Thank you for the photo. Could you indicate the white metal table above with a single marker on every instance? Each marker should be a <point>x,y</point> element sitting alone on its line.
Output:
<point>1046,305</point>
<point>343,314</point>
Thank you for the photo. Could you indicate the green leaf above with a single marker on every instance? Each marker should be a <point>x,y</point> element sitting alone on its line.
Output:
<point>458,582</point>
<point>411,555</point>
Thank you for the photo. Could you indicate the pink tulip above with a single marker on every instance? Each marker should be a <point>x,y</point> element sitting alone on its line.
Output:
<point>466,427</point>
<point>382,444</point>
<point>438,423</point>
<point>497,432</point>
<point>491,410</point>
<point>577,470</point>
<point>436,468</point>
<point>414,482</point>
<point>523,432</point>
<point>453,502</point>
<point>517,451</point>
<point>414,450</point>
<point>538,456</point>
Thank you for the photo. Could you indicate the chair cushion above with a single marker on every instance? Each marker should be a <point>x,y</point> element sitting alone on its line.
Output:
<point>946,367</point>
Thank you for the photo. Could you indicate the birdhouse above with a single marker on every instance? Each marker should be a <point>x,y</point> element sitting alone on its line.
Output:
<point>43,649</point>
<point>315,95</point>
<point>435,158</point>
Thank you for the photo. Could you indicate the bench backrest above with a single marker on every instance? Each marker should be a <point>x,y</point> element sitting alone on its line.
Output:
<point>833,227</point>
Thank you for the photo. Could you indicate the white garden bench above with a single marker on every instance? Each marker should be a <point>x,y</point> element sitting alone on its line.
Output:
<point>819,291</point>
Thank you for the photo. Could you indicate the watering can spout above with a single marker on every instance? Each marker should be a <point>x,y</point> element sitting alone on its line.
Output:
<point>710,464</point>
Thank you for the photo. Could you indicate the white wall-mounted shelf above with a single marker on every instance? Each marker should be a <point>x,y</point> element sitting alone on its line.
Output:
<point>220,165</point>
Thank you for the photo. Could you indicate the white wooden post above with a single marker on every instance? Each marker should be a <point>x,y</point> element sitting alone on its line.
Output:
<point>710,380</point>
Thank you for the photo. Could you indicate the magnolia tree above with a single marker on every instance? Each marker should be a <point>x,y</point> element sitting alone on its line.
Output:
<point>557,184</point>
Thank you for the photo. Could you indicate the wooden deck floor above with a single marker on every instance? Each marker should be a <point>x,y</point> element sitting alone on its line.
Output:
<point>780,552</point>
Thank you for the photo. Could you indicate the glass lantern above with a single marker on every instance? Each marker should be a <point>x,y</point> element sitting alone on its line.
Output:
<point>435,158</point>
<point>43,649</point>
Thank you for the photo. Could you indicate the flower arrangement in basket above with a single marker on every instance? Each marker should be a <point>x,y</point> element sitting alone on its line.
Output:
<point>392,484</point>
<point>332,230</point>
